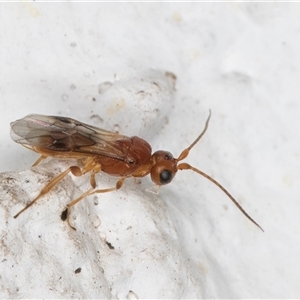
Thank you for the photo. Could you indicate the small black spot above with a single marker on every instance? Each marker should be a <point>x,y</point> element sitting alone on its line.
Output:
<point>110,245</point>
<point>78,270</point>
<point>167,157</point>
<point>63,119</point>
<point>56,146</point>
<point>64,215</point>
<point>165,177</point>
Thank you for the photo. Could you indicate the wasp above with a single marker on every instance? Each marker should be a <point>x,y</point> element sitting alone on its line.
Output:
<point>98,150</point>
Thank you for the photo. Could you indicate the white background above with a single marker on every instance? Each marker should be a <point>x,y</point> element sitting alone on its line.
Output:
<point>242,61</point>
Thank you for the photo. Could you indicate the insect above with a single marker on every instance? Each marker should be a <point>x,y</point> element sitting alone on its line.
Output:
<point>99,150</point>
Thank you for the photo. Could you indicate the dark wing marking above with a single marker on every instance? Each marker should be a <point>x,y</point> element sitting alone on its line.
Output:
<point>66,135</point>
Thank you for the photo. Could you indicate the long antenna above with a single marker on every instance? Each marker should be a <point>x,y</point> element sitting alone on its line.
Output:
<point>186,151</point>
<point>185,166</point>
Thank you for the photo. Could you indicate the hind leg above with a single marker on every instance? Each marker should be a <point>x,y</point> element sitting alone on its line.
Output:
<point>46,189</point>
<point>42,157</point>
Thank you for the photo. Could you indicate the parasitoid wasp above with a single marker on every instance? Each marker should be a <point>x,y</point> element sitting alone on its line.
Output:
<point>98,150</point>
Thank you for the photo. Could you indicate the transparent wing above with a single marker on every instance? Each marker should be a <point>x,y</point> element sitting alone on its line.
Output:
<point>67,135</point>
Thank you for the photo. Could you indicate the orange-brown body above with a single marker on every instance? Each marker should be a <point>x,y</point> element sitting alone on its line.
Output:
<point>137,152</point>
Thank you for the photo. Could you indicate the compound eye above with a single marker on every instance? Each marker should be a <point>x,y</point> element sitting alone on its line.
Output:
<point>165,177</point>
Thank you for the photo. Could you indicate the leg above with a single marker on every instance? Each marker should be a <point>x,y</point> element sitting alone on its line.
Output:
<point>42,157</point>
<point>65,214</point>
<point>74,170</point>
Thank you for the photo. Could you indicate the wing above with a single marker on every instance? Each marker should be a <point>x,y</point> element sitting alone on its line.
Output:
<point>67,135</point>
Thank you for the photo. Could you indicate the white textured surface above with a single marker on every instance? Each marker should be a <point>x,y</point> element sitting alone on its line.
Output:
<point>241,60</point>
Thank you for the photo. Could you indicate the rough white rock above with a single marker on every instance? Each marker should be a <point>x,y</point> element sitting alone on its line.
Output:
<point>241,60</point>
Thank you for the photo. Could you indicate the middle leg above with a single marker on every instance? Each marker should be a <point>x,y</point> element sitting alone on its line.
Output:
<point>65,214</point>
